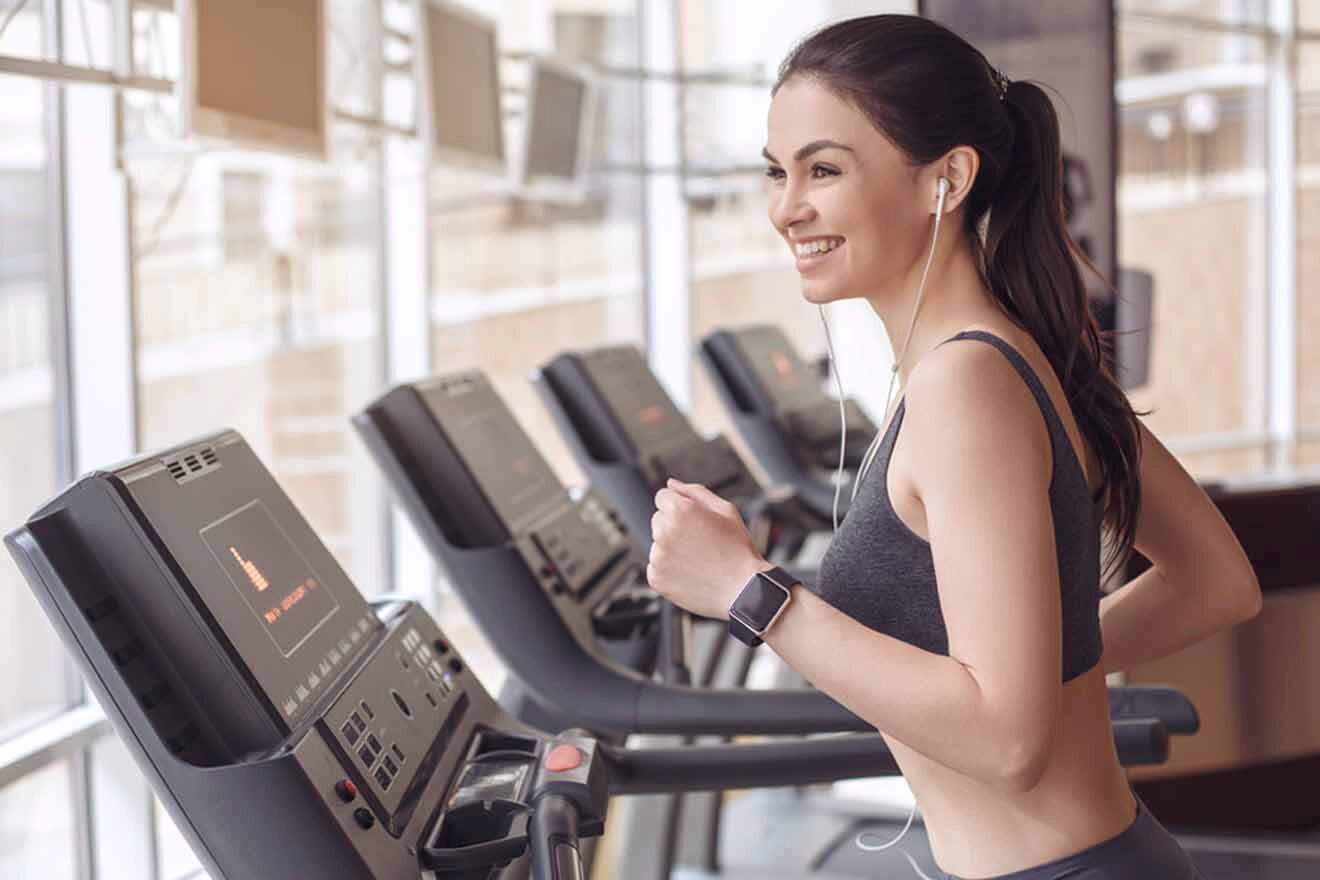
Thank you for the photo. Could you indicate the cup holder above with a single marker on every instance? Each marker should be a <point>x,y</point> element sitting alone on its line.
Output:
<point>477,822</point>
<point>627,617</point>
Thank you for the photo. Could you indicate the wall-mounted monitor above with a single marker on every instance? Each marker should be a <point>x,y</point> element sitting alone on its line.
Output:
<point>557,131</point>
<point>253,73</point>
<point>458,71</point>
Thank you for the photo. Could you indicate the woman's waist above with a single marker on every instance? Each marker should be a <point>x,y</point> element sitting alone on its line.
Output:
<point>980,830</point>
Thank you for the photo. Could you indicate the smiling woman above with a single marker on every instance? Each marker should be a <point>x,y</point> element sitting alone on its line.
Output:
<point>881,130</point>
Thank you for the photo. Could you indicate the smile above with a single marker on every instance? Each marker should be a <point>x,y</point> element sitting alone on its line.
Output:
<point>812,253</point>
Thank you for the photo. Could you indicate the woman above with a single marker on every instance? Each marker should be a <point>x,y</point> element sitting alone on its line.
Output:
<point>959,607</point>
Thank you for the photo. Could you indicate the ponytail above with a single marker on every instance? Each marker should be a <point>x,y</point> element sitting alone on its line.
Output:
<point>1032,268</point>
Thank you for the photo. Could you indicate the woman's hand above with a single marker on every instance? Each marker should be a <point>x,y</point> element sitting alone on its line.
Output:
<point>701,554</point>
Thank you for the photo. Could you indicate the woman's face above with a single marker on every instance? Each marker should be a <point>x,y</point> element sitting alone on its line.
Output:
<point>847,202</point>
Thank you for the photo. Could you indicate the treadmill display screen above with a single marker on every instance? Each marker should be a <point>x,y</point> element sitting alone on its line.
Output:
<point>516,480</point>
<point>787,379</point>
<point>637,400</point>
<point>274,579</point>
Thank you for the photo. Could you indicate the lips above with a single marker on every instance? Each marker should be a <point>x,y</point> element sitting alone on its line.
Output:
<point>813,253</point>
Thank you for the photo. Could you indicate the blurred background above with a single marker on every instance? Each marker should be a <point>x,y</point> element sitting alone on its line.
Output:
<point>162,275</point>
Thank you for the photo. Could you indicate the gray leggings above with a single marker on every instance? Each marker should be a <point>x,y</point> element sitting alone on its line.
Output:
<point>1145,851</point>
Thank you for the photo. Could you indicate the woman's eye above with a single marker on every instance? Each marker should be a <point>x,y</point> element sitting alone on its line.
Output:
<point>823,171</point>
<point>774,173</point>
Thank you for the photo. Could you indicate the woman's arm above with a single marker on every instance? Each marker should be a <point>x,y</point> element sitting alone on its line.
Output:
<point>990,709</point>
<point>1199,582</point>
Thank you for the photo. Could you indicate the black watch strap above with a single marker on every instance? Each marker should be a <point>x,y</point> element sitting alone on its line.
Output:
<point>743,633</point>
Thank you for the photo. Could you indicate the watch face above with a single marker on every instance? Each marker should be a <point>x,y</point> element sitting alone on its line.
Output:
<point>759,601</point>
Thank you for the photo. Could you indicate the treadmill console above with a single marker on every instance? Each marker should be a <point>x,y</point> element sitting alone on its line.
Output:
<point>621,409</point>
<point>461,453</point>
<point>291,729</point>
<point>764,375</point>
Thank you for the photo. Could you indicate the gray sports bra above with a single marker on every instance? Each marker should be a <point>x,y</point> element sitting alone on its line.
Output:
<point>881,573</point>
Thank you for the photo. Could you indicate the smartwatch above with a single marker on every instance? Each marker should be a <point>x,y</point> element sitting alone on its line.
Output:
<point>759,605</point>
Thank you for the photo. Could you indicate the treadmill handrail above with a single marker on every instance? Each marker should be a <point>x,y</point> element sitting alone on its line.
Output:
<point>803,761</point>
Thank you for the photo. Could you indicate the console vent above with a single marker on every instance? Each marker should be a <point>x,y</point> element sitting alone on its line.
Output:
<point>192,464</point>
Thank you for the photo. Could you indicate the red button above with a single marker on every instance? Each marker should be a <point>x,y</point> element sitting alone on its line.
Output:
<point>346,790</point>
<point>562,758</point>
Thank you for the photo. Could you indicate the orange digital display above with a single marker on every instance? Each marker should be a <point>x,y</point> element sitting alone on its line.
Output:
<point>275,580</point>
<point>254,574</point>
<point>651,414</point>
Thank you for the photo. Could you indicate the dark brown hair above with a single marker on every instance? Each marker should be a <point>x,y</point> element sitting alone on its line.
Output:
<point>928,90</point>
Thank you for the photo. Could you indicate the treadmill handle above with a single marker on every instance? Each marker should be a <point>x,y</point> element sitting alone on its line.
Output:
<point>556,854</point>
<point>1141,741</point>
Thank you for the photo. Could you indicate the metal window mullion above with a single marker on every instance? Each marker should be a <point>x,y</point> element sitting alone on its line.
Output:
<point>1281,239</point>
<point>406,199</point>
<point>95,208</point>
<point>50,741</point>
<point>667,286</point>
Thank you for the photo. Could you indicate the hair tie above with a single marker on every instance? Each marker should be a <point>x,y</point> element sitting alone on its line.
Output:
<point>1002,82</point>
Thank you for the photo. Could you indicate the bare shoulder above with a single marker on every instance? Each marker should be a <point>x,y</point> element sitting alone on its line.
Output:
<point>966,401</point>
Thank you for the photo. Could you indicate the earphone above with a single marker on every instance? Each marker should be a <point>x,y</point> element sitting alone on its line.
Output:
<point>942,192</point>
<point>942,187</point>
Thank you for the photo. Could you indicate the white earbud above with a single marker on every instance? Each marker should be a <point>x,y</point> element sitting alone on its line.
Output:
<point>942,188</point>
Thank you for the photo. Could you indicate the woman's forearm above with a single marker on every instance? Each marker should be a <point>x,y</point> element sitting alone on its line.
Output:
<point>1152,617</point>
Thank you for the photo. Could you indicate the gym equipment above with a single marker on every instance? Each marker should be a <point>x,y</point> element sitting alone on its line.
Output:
<point>292,729</point>
<point>779,407</point>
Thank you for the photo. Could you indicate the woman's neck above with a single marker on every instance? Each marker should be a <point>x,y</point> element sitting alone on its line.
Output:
<point>955,297</point>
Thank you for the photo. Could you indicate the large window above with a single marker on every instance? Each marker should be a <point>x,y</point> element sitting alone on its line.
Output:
<point>1192,213</point>
<point>1308,245</point>
<point>257,301</point>
<point>35,814</point>
<point>515,278</point>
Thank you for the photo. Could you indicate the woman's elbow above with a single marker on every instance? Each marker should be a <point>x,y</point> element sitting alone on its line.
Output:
<point>1247,599</point>
<point>1021,768</point>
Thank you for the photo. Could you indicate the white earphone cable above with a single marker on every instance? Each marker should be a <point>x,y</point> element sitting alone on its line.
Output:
<point>874,447</point>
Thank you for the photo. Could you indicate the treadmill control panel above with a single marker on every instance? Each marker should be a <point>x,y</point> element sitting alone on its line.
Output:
<point>577,545</point>
<point>487,470</point>
<point>397,719</point>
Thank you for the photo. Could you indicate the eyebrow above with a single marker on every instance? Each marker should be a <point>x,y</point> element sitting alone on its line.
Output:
<point>813,147</point>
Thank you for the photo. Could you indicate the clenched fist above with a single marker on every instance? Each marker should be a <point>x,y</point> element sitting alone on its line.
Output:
<point>701,554</point>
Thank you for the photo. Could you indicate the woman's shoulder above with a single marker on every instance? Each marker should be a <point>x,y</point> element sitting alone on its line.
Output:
<point>967,396</point>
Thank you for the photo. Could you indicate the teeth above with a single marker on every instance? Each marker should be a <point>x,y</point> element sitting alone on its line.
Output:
<point>819,246</point>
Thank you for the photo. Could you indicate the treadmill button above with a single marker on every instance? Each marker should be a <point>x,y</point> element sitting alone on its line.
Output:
<point>350,733</point>
<point>389,765</point>
<point>358,722</point>
<point>367,757</point>
<point>346,790</point>
<point>376,747</point>
<point>562,758</point>
<point>383,778</point>
<point>364,817</point>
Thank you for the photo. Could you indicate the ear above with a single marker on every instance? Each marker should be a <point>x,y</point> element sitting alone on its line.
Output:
<point>958,166</point>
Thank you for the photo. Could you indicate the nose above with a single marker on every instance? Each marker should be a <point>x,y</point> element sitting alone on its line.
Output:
<point>789,206</point>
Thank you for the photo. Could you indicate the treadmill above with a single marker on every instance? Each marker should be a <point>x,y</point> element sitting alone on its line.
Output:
<point>511,537</point>
<point>629,437</point>
<point>784,415</point>
<point>291,728</point>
